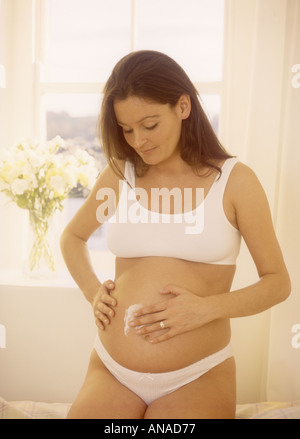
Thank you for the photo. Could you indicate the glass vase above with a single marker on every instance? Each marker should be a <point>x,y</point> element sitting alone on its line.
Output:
<point>39,256</point>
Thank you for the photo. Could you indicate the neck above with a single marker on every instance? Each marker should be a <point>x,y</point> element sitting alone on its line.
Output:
<point>172,166</point>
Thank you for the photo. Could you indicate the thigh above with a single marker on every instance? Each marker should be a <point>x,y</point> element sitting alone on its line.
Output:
<point>212,396</point>
<point>102,396</point>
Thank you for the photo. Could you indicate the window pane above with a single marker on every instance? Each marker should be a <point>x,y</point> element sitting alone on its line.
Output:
<point>74,117</point>
<point>87,38</point>
<point>212,106</point>
<point>190,31</point>
<point>75,104</point>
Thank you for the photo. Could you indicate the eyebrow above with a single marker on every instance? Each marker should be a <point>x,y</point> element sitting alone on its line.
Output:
<point>139,121</point>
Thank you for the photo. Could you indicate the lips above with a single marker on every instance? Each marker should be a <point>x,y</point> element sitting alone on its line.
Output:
<point>146,151</point>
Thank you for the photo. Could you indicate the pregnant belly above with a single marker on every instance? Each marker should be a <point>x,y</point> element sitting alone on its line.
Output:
<point>134,351</point>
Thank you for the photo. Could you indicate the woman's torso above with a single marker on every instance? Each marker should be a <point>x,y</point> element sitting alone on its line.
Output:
<point>138,282</point>
<point>139,277</point>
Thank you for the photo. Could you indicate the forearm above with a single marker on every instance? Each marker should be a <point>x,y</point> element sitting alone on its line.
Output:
<point>270,290</point>
<point>78,262</point>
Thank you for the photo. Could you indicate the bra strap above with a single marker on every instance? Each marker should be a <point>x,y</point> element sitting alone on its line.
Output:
<point>130,174</point>
<point>226,171</point>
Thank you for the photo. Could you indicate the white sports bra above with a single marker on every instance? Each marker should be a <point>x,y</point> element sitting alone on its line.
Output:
<point>200,235</point>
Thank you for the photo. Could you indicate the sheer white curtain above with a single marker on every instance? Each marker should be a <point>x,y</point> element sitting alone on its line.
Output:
<point>262,127</point>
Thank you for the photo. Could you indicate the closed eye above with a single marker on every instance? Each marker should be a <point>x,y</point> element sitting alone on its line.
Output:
<point>152,128</point>
<point>147,128</point>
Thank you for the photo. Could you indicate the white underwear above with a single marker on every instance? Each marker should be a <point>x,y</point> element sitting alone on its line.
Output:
<point>151,386</point>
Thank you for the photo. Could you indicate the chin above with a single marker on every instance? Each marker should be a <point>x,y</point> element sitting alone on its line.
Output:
<point>150,159</point>
<point>150,162</point>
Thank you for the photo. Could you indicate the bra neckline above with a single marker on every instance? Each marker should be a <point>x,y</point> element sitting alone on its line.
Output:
<point>173,215</point>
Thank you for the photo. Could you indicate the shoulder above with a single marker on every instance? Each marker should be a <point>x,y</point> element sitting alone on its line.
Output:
<point>248,198</point>
<point>240,170</point>
<point>110,177</point>
<point>245,193</point>
<point>243,180</point>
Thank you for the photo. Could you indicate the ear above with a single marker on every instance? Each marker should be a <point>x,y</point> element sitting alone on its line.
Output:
<point>184,106</point>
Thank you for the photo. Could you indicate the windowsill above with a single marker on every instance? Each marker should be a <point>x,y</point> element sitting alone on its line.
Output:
<point>60,279</point>
<point>14,277</point>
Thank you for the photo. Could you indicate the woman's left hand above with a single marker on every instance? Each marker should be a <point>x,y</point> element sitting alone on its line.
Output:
<point>181,313</point>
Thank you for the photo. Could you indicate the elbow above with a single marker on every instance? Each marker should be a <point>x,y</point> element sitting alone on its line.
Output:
<point>285,287</point>
<point>70,243</point>
<point>288,289</point>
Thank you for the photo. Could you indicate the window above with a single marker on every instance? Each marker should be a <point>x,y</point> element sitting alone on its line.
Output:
<point>86,38</point>
<point>82,41</point>
<point>189,31</point>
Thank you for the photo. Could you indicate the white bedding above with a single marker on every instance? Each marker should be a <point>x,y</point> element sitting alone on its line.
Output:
<point>43,410</point>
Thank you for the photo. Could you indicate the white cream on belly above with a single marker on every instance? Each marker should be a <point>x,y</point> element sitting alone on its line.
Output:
<point>129,316</point>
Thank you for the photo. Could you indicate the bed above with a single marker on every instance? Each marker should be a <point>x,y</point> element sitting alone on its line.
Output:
<point>43,410</point>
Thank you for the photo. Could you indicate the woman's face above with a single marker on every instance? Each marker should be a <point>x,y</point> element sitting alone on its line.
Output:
<point>150,128</point>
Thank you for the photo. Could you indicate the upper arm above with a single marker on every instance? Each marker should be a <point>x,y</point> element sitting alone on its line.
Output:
<point>85,221</point>
<point>255,221</point>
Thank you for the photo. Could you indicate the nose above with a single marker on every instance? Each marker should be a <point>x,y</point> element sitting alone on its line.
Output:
<point>139,139</point>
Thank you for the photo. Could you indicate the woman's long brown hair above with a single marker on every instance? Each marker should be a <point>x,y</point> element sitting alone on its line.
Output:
<point>155,76</point>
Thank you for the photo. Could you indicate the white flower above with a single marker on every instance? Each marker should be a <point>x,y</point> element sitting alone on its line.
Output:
<point>82,155</point>
<point>43,172</point>
<point>60,142</point>
<point>54,144</point>
<point>32,180</point>
<point>58,184</point>
<point>69,175</point>
<point>71,160</point>
<point>92,178</point>
<point>35,160</point>
<point>57,161</point>
<point>10,172</point>
<point>19,186</point>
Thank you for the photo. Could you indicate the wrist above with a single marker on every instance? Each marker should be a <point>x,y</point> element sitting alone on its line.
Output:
<point>215,308</point>
<point>93,292</point>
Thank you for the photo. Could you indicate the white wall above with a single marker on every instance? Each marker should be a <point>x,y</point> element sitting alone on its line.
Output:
<point>3,66</point>
<point>49,337</point>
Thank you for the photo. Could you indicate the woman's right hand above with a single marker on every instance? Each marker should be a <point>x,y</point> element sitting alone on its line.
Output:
<point>103,304</point>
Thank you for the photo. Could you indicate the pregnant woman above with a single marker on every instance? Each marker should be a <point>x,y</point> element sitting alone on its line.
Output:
<point>177,205</point>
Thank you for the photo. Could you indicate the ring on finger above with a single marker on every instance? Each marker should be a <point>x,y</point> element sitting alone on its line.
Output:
<point>162,324</point>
